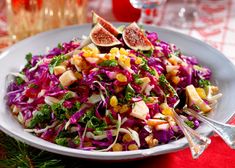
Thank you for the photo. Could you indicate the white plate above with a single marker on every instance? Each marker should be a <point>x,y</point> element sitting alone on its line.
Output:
<point>13,59</point>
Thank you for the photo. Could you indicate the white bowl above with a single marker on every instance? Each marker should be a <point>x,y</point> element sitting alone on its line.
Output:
<point>12,60</point>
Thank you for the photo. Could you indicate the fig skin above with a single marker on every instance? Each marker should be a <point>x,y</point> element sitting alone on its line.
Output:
<point>135,38</point>
<point>103,38</point>
<point>104,23</point>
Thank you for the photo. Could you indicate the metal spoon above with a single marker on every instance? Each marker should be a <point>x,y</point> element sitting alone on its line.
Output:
<point>225,131</point>
<point>197,142</point>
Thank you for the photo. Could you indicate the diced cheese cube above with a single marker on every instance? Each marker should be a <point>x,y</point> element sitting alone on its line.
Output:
<point>165,126</point>
<point>140,110</point>
<point>194,98</point>
<point>145,81</point>
<point>67,78</point>
<point>92,60</point>
<point>58,70</point>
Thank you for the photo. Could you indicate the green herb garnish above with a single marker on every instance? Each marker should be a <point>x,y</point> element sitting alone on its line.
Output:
<point>61,141</point>
<point>166,85</point>
<point>19,80</point>
<point>204,83</point>
<point>129,92</point>
<point>57,60</point>
<point>147,68</point>
<point>189,123</point>
<point>109,63</point>
<point>41,115</point>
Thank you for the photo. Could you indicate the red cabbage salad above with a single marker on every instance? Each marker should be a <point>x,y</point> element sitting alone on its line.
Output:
<point>110,98</point>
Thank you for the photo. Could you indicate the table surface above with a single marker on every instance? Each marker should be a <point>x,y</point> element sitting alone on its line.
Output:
<point>218,30</point>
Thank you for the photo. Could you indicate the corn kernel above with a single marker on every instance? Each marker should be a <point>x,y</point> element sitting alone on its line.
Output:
<point>87,54</point>
<point>201,92</point>
<point>131,55</point>
<point>123,51</point>
<point>133,147</point>
<point>138,60</point>
<point>175,79</point>
<point>113,101</point>
<point>127,62</point>
<point>122,58</point>
<point>174,72</point>
<point>126,138</point>
<point>124,108</point>
<point>114,50</point>
<point>112,57</point>
<point>167,112</point>
<point>121,78</point>
<point>117,147</point>
<point>86,48</point>
<point>173,61</point>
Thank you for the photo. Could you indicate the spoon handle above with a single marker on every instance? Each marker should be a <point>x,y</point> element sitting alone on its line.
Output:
<point>197,143</point>
<point>225,131</point>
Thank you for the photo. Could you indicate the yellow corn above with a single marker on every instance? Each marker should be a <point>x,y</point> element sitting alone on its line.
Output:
<point>121,78</point>
<point>113,101</point>
<point>138,60</point>
<point>123,51</point>
<point>87,53</point>
<point>167,112</point>
<point>127,62</point>
<point>201,92</point>
<point>131,55</point>
<point>114,50</point>
<point>132,147</point>
<point>112,57</point>
<point>175,79</point>
<point>117,147</point>
<point>126,138</point>
<point>174,72</point>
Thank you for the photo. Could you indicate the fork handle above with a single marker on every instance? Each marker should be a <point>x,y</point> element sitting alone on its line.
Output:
<point>225,131</point>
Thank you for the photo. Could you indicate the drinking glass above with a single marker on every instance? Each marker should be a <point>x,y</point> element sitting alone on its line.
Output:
<point>29,17</point>
<point>149,14</point>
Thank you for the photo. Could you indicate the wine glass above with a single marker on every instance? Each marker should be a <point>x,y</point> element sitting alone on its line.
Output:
<point>187,16</point>
<point>149,14</point>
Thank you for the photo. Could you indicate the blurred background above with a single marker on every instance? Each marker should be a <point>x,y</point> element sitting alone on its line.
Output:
<point>212,21</point>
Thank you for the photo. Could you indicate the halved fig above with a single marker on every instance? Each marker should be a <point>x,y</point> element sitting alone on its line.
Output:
<point>108,26</point>
<point>135,38</point>
<point>103,38</point>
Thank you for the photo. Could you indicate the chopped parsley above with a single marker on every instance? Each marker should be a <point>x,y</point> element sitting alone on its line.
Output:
<point>57,60</point>
<point>43,114</point>
<point>204,83</point>
<point>166,85</point>
<point>146,67</point>
<point>129,92</point>
<point>109,63</point>
<point>189,123</point>
<point>19,80</point>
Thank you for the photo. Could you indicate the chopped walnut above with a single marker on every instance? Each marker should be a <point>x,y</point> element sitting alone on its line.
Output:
<point>151,141</point>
